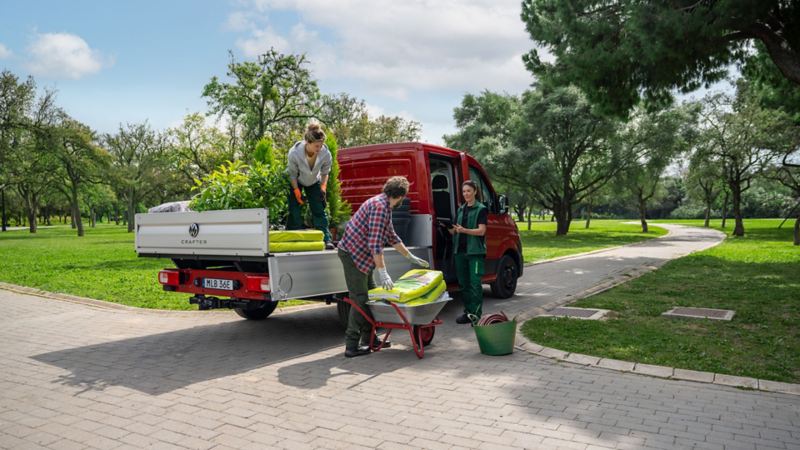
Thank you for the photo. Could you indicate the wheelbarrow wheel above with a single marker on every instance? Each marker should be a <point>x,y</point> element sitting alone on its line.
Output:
<point>424,334</point>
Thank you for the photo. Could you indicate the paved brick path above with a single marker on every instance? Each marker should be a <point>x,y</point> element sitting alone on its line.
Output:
<point>77,376</point>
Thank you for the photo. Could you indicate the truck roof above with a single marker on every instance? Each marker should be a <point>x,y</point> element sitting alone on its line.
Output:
<point>364,170</point>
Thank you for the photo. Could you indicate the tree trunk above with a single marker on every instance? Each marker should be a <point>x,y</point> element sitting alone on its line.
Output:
<point>797,230</point>
<point>32,221</point>
<point>708,214</point>
<point>588,215</point>
<point>530,211</point>
<point>725,209</point>
<point>3,223</point>
<point>76,210</point>
<point>93,217</point>
<point>520,212</point>
<point>738,229</point>
<point>563,219</point>
<point>643,214</point>
<point>131,212</point>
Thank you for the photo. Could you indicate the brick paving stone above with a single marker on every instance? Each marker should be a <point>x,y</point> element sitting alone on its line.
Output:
<point>197,380</point>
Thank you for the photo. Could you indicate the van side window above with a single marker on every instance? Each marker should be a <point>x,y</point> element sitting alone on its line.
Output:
<point>485,195</point>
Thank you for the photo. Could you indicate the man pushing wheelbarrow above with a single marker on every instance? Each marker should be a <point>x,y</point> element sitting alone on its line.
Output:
<point>361,253</point>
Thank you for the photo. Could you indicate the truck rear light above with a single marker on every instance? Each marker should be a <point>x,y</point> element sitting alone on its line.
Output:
<point>169,277</point>
<point>257,284</point>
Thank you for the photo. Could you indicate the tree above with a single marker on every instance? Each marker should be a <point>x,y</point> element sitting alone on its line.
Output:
<point>16,101</point>
<point>485,124</point>
<point>743,139</point>
<point>137,154</point>
<point>561,153</point>
<point>705,179</point>
<point>620,51</point>
<point>658,137</point>
<point>82,161</point>
<point>270,91</point>
<point>339,210</point>
<point>197,148</point>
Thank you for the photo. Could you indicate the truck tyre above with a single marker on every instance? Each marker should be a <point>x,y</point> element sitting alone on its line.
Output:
<point>343,309</point>
<point>258,313</point>
<point>506,282</point>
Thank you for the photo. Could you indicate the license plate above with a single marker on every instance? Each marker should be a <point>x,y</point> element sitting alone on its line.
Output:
<point>217,283</point>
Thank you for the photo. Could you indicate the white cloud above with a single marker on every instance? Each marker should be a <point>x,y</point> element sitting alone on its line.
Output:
<point>63,55</point>
<point>396,47</point>
<point>4,52</point>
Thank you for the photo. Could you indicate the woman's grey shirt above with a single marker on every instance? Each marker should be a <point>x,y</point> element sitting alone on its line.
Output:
<point>297,164</point>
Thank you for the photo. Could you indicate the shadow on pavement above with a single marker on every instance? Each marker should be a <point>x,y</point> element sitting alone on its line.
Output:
<point>163,362</point>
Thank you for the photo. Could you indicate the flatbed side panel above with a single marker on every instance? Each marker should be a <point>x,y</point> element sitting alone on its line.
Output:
<point>238,232</point>
<point>310,274</point>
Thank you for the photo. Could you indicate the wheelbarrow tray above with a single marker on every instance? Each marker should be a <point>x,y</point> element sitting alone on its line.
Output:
<point>416,314</point>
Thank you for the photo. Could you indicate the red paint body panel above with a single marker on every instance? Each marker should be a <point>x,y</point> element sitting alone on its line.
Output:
<point>245,285</point>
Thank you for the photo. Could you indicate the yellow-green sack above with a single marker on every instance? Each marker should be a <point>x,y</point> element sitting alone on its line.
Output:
<point>434,294</point>
<point>412,285</point>
<point>283,247</point>
<point>295,236</point>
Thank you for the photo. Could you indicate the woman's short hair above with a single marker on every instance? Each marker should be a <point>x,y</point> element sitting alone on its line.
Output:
<point>314,133</point>
<point>396,187</point>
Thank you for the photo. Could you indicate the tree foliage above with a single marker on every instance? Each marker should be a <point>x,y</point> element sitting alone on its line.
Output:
<point>562,151</point>
<point>348,119</point>
<point>623,50</point>
<point>271,91</point>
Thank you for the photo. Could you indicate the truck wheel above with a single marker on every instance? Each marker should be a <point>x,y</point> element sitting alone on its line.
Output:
<point>343,309</point>
<point>258,313</point>
<point>506,282</point>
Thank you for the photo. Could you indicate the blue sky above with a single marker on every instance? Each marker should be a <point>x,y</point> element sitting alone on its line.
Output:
<point>114,62</point>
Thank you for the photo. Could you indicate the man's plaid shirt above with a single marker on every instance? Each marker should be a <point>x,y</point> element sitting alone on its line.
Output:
<point>369,231</point>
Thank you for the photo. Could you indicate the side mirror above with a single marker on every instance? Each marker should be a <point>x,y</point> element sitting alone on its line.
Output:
<point>503,201</point>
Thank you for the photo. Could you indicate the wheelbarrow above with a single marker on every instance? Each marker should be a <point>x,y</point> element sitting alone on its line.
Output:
<point>419,320</point>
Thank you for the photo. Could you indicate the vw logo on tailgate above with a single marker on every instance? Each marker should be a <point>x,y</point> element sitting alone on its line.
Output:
<point>194,229</point>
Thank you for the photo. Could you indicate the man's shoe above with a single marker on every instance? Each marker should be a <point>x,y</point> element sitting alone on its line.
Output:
<point>353,352</point>
<point>462,319</point>
<point>329,245</point>
<point>377,341</point>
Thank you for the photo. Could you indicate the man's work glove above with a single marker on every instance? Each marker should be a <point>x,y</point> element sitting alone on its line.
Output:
<point>298,196</point>
<point>383,279</point>
<point>417,261</point>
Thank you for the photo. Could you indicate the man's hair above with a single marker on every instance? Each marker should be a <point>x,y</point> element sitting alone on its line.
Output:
<point>396,187</point>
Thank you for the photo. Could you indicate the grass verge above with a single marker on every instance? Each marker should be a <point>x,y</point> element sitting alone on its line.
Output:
<point>541,242</point>
<point>757,275</point>
<point>101,265</point>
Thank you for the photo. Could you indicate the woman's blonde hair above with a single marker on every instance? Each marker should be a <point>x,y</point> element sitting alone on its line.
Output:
<point>314,133</point>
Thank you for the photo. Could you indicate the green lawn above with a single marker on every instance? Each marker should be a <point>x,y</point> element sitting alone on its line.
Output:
<point>541,242</point>
<point>758,276</point>
<point>103,264</point>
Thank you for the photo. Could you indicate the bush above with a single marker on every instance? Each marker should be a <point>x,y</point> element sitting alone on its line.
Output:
<point>235,185</point>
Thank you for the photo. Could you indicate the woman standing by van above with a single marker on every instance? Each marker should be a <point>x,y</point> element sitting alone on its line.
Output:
<point>470,250</point>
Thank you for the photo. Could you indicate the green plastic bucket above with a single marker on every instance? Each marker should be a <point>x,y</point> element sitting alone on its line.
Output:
<point>496,339</point>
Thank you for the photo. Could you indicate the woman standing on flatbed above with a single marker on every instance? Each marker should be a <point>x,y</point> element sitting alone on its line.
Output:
<point>308,166</point>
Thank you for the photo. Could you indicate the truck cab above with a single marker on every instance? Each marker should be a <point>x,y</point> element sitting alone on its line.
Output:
<point>435,175</point>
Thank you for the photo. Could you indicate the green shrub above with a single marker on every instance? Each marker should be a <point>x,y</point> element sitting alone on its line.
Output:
<point>235,185</point>
<point>339,210</point>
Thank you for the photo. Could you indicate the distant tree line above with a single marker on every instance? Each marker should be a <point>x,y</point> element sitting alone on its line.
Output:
<point>55,169</point>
